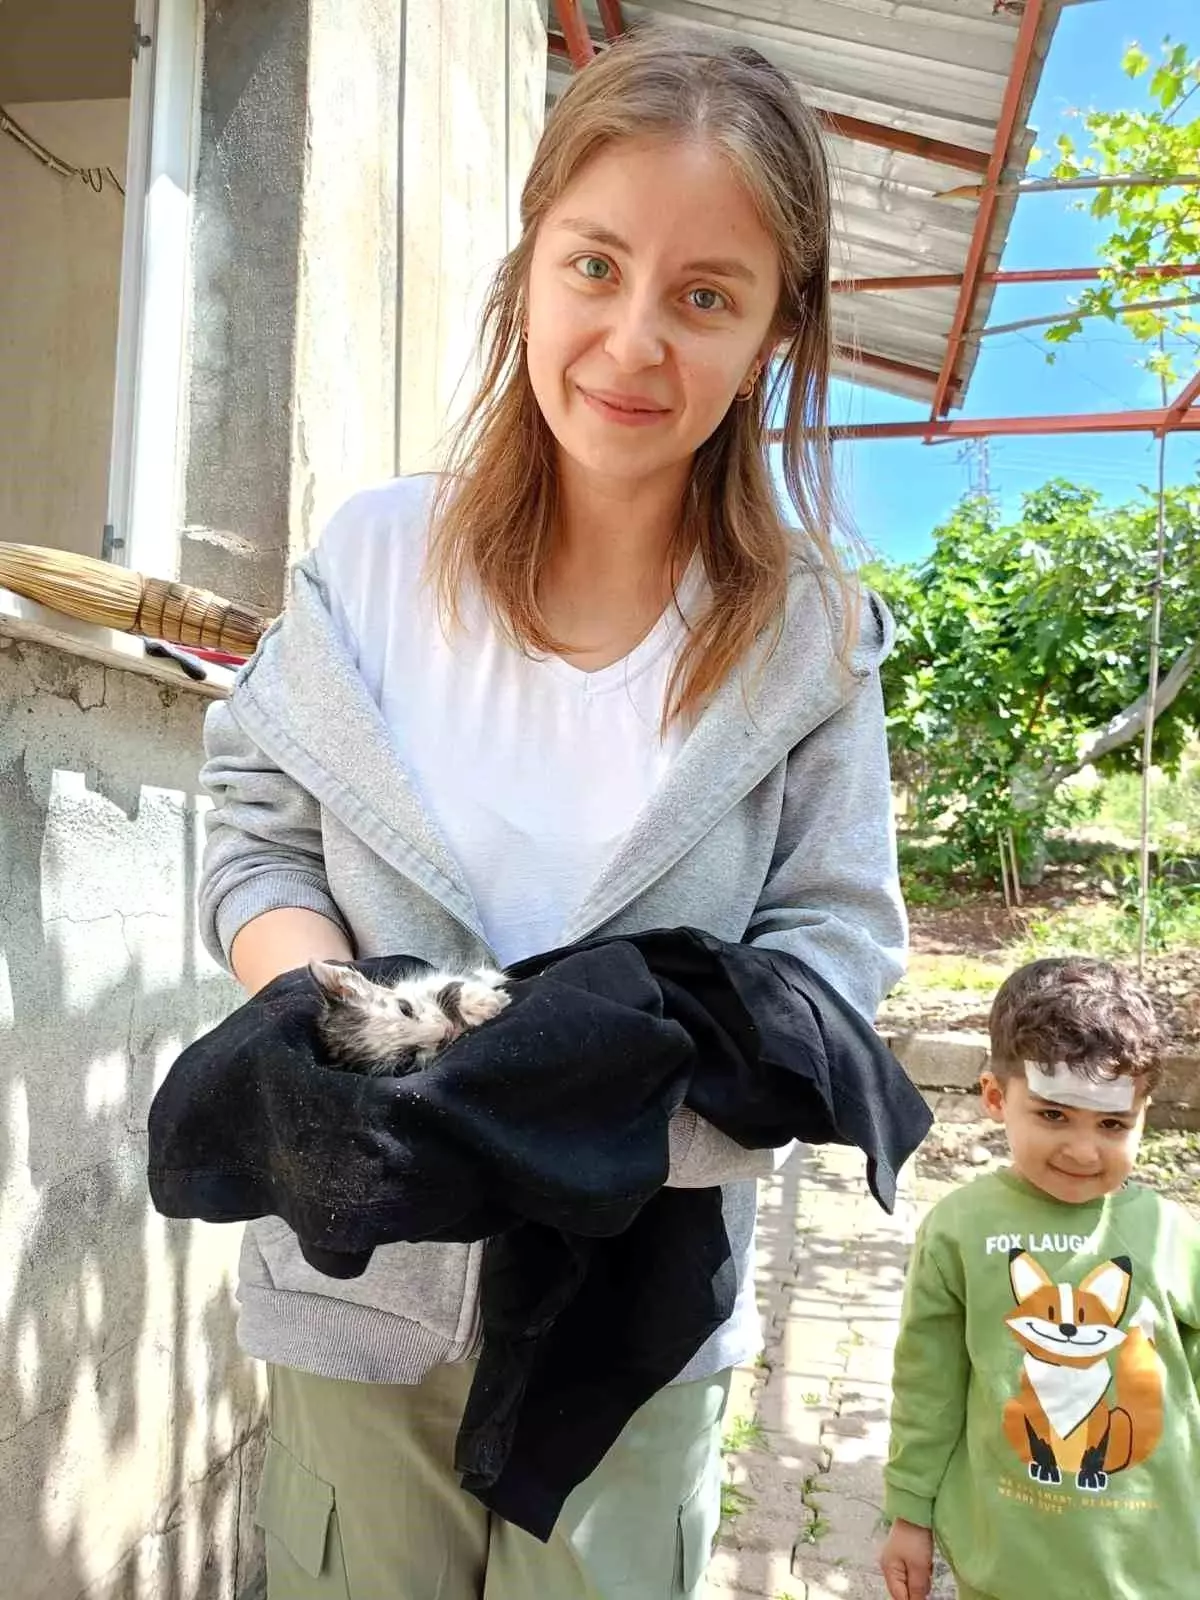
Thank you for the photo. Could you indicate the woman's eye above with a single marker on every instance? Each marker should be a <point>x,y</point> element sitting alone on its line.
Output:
<point>594,267</point>
<point>707,300</point>
<point>1053,1116</point>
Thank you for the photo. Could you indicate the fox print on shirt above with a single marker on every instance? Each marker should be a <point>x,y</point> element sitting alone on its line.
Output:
<point>1091,1393</point>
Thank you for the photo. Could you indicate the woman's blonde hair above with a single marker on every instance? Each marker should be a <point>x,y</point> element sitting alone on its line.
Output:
<point>494,511</point>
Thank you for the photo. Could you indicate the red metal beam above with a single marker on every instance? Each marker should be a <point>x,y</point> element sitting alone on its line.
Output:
<point>556,45</point>
<point>916,280</point>
<point>1176,416</point>
<point>952,280</point>
<point>578,40</point>
<point>913,144</point>
<point>998,427</point>
<point>977,253</point>
<point>610,16</point>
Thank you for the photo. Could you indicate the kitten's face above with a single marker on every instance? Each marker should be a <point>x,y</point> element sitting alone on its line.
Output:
<point>398,1028</point>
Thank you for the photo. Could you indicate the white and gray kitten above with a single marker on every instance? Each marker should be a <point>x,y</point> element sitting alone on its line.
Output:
<point>399,1027</point>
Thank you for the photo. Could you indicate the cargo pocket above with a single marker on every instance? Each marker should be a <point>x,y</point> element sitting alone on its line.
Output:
<point>699,1517</point>
<point>296,1511</point>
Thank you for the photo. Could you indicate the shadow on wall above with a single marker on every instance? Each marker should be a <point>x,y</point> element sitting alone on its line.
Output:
<point>129,1423</point>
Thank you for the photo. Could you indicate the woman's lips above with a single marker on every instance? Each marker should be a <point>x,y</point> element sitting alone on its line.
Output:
<point>627,410</point>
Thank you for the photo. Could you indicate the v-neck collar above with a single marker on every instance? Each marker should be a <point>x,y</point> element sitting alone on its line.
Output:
<point>667,634</point>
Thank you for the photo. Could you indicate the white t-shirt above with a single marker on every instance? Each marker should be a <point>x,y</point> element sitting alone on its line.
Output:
<point>532,770</point>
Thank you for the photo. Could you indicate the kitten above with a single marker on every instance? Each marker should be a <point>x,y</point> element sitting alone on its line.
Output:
<point>396,1028</point>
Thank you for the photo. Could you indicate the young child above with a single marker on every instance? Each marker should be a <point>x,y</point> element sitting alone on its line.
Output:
<point>1046,1420</point>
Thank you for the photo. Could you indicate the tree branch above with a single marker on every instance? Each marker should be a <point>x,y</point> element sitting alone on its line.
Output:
<point>1128,724</point>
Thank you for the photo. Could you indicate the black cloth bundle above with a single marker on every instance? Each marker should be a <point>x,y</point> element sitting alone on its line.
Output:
<point>545,1132</point>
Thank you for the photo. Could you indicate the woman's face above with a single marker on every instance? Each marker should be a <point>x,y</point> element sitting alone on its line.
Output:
<point>652,292</point>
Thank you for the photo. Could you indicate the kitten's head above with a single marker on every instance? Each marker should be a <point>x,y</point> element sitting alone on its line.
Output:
<point>379,1028</point>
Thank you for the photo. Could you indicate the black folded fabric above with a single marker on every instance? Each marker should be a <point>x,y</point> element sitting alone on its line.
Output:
<point>544,1133</point>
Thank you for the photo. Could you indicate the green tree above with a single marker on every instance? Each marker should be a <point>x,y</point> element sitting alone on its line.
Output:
<point>1154,224</point>
<point>1143,168</point>
<point>1021,656</point>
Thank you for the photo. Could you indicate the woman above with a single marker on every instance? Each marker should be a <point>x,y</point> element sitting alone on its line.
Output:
<point>587,681</point>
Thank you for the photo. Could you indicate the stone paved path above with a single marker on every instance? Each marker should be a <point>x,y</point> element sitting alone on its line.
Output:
<point>810,1419</point>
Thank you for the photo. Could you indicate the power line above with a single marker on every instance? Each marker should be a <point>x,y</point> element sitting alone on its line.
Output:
<point>94,178</point>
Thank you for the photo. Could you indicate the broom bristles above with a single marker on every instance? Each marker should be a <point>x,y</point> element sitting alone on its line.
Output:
<point>114,597</point>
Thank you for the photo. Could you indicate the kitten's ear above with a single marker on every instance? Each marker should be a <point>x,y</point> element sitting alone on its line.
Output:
<point>338,982</point>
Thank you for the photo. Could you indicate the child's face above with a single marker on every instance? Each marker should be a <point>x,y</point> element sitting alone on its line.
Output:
<point>1072,1155</point>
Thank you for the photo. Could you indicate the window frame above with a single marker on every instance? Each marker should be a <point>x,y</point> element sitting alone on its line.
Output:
<point>145,477</point>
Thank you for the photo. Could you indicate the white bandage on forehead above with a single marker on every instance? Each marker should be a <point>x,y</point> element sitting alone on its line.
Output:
<point>1063,1087</point>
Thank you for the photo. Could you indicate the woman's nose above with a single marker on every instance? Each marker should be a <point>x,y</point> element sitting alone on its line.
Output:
<point>635,338</point>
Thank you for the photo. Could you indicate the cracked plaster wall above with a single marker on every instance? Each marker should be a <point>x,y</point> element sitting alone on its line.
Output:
<point>129,1423</point>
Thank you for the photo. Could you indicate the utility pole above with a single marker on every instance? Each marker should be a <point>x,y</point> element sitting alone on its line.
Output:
<point>975,455</point>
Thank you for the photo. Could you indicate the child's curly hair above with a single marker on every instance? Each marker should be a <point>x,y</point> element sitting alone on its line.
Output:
<point>1085,1013</point>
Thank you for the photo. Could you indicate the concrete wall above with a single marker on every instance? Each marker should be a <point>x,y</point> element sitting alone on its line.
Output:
<point>128,1443</point>
<point>129,1424</point>
<point>248,198</point>
<point>355,188</point>
<point>474,101</point>
<point>947,1065</point>
<point>292,387</point>
<point>343,419</point>
<point>59,275</point>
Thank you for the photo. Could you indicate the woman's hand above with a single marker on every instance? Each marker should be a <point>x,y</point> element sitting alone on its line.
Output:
<point>906,1561</point>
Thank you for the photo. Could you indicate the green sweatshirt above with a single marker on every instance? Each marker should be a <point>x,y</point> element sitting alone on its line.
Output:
<point>1046,1416</point>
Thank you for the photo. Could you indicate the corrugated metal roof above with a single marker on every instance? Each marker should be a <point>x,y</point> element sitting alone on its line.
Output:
<point>932,68</point>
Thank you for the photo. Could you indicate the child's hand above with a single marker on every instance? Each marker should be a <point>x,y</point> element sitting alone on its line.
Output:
<point>906,1561</point>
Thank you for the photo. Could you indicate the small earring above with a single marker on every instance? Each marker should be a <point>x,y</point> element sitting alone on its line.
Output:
<point>749,386</point>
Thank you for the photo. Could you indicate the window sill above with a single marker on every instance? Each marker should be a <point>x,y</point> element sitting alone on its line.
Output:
<point>21,618</point>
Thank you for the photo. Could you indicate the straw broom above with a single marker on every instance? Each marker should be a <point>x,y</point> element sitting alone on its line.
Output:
<point>114,597</point>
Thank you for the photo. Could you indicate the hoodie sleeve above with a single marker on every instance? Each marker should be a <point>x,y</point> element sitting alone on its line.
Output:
<point>832,896</point>
<point>263,850</point>
<point>929,1382</point>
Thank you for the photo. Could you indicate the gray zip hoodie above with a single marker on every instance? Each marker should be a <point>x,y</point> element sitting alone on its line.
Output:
<point>773,826</point>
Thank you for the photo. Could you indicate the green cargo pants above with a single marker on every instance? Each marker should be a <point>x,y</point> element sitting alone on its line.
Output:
<point>360,1501</point>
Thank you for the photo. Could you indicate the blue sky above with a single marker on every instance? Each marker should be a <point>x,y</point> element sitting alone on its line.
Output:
<point>898,490</point>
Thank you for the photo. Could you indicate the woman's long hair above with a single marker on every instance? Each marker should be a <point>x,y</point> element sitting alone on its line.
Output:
<point>494,511</point>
